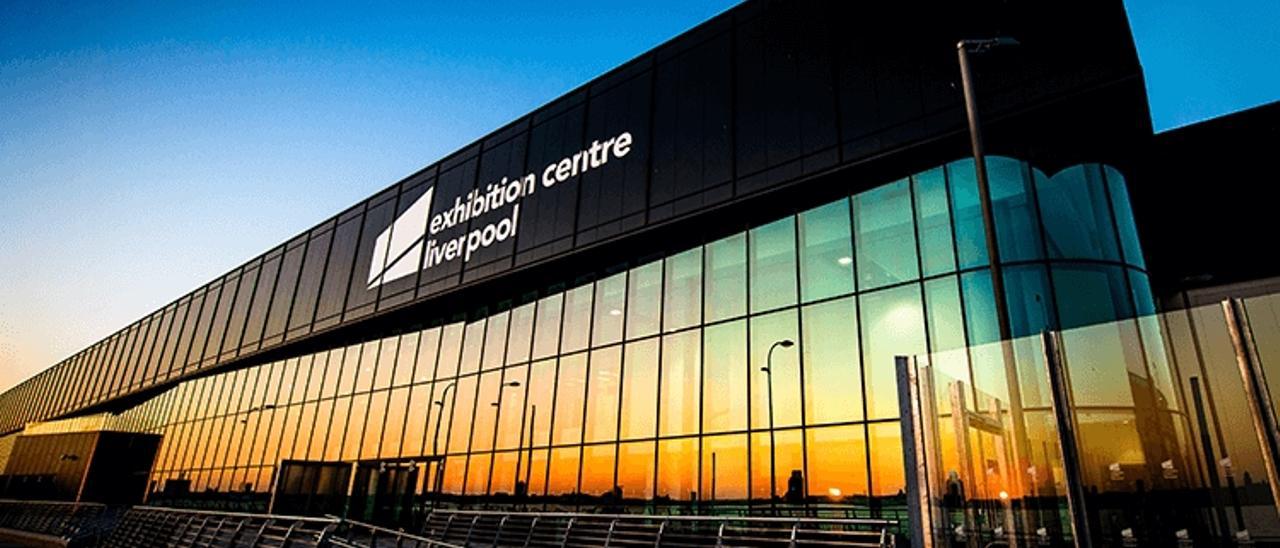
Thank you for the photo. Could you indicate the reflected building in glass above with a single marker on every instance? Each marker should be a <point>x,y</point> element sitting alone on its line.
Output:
<point>680,287</point>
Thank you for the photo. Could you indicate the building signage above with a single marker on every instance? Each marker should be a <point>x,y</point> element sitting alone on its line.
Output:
<point>411,243</point>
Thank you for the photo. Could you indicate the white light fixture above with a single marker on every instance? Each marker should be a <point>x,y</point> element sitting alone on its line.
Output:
<point>844,261</point>
<point>615,312</point>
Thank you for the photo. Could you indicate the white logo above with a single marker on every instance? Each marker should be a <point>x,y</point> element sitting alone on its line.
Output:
<point>405,246</point>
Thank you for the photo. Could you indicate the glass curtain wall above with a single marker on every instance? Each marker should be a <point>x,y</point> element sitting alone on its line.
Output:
<point>754,371</point>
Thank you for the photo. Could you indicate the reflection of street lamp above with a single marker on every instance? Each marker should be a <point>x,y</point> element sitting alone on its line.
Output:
<point>768,371</point>
<point>497,416</point>
<point>501,387</point>
<point>435,440</point>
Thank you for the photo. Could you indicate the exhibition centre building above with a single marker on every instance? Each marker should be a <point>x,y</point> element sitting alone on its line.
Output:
<point>684,287</point>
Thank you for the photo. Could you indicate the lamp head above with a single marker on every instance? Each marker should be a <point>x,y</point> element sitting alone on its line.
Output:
<point>786,343</point>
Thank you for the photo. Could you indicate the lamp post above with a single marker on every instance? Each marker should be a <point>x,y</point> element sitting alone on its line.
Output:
<point>497,416</point>
<point>768,371</point>
<point>963,49</point>
<point>435,439</point>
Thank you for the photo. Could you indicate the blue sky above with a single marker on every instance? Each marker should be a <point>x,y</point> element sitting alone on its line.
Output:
<point>147,148</point>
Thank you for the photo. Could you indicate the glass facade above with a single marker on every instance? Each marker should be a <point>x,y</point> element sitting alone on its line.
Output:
<point>668,383</point>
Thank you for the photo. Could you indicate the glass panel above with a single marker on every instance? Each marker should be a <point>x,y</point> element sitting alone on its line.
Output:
<point>773,265</point>
<point>832,376</point>
<point>725,378</point>
<point>826,253</point>
<point>837,463</point>
<point>464,403</point>
<point>373,426</point>
<point>478,474</point>
<point>597,470</point>
<point>1077,219</point>
<point>892,325</point>
<point>397,418</point>
<point>1017,228</point>
<point>495,341</point>
<point>405,359</point>
<point>933,222</point>
<point>610,303</point>
<point>1090,294</point>
<point>644,300</point>
<point>520,335</point>
<point>542,378</point>
<point>768,332</point>
<point>682,303</point>
<point>635,470</point>
<point>564,471</point>
<point>678,469</point>
<point>502,480</point>
<point>570,391</point>
<point>726,278</point>
<point>1124,217</point>
<point>640,390</point>
<point>428,349</point>
<point>512,431</point>
<point>602,397</point>
<point>724,468</point>
<point>577,319</point>
<point>546,333</point>
<point>884,236</point>
<point>450,351</point>
<point>785,450</point>
<point>679,398</point>
<point>888,478</point>
<point>472,347</point>
<point>486,411</point>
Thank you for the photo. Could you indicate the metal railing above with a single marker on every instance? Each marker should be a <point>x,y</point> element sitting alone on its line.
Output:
<point>533,529</point>
<point>148,526</point>
<point>70,522</point>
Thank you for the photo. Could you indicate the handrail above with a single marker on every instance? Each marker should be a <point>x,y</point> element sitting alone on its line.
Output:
<point>712,518</point>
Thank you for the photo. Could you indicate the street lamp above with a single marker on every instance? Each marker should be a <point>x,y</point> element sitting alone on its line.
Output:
<point>963,49</point>
<point>435,439</point>
<point>768,371</point>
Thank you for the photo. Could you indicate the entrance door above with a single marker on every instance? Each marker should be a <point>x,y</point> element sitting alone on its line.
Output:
<point>383,492</point>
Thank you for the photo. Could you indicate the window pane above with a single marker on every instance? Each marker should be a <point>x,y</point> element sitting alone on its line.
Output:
<point>678,468</point>
<point>640,389</point>
<point>460,415</point>
<point>681,367</point>
<point>837,463</point>
<point>597,470</point>
<point>1124,217</point>
<point>1017,228</point>
<point>602,396</point>
<point>610,303</point>
<point>1090,294</point>
<point>892,325</point>
<point>832,377</point>
<point>885,236</point>
<point>826,255</point>
<point>570,389</point>
<point>644,300</point>
<point>373,426</point>
<point>486,412</point>
<point>768,332</point>
<point>945,323</point>
<point>635,470</point>
<point>478,474</point>
<point>773,265</point>
<point>512,431</point>
<point>564,471</point>
<point>495,341</point>
<point>933,221</point>
<point>503,479</point>
<point>682,304</point>
<point>577,319</point>
<point>726,278</point>
<point>542,378</point>
<point>450,351</point>
<point>405,359</point>
<point>546,333</point>
<point>725,378</point>
<point>520,336</point>
<point>788,458</point>
<point>1077,220</point>
<point>724,468</point>
<point>887,475</point>
<point>472,347</point>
